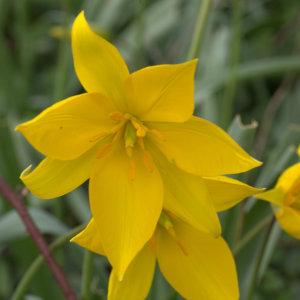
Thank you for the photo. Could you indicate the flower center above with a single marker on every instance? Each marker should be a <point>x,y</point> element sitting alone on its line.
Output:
<point>131,132</point>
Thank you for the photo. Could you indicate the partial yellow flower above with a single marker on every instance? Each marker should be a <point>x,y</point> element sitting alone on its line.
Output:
<point>227,192</point>
<point>285,200</point>
<point>111,134</point>
<point>197,265</point>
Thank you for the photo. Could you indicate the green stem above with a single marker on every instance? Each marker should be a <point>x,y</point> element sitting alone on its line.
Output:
<point>63,61</point>
<point>259,259</point>
<point>251,234</point>
<point>228,101</point>
<point>199,28</point>
<point>240,223</point>
<point>87,269</point>
<point>38,262</point>
<point>140,33</point>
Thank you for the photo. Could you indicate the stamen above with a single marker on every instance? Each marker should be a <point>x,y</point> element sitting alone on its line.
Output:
<point>148,161</point>
<point>141,143</point>
<point>117,116</point>
<point>104,151</point>
<point>158,134</point>
<point>166,222</point>
<point>129,150</point>
<point>140,129</point>
<point>98,136</point>
<point>132,170</point>
<point>130,138</point>
<point>117,127</point>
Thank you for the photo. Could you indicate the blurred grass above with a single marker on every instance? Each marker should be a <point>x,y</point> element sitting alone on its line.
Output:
<point>249,66</point>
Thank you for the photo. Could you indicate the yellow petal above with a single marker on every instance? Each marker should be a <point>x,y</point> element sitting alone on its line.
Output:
<point>289,177</point>
<point>137,279</point>
<point>226,192</point>
<point>126,201</point>
<point>163,93</point>
<point>70,127</point>
<point>202,148</point>
<point>204,270</point>
<point>187,197</point>
<point>90,238</point>
<point>289,219</point>
<point>275,196</point>
<point>98,64</point>
<point>53,178</point>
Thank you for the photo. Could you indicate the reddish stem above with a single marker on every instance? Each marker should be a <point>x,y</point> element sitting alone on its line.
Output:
<point>16,201</point>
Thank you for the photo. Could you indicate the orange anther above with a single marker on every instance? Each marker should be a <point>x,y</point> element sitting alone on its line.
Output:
<point>148,161</point>
<point>117,116</point>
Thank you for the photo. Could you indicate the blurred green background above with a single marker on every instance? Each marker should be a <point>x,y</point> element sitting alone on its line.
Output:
<point>249,65</point>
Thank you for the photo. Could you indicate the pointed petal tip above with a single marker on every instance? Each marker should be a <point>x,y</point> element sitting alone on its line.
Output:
<point>73,240</point>
<point>217,233</point>
<point>192,63</point>
<point>257,162</point>
<point>120,274</point>
<point>274,196</point>
<point>76,240</point>
<point>251,163</point>
<point>80,18</point>
<point>81,15</point>
<point>25,172</point>
<point>20,127</point>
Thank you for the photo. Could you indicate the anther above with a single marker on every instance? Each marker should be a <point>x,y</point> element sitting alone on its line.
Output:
<point>140,129</point>
<point>148,161</point>
<point>117,116</point>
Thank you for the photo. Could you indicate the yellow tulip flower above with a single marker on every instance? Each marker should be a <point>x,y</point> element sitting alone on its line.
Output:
<point>285,199</point>
<point>109,135</point>
<point>197,265</point>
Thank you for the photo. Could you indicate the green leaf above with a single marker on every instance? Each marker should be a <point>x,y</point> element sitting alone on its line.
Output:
<point>11,227</point>
<point>243,134</point>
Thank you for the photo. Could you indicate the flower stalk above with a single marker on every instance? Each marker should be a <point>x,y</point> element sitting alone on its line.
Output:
<point>86,279</point>
<point>38,263</point>
<point>199,28</point>
<point>15,200</point>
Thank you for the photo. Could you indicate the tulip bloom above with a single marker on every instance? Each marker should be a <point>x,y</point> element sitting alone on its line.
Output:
<point>197,265</point>
<point>285,200</point>
<point>110,135</point>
